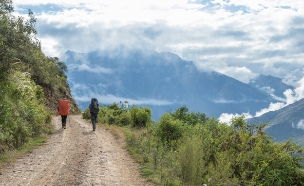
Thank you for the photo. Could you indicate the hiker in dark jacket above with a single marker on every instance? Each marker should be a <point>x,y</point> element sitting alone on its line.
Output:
<point>93,111</point>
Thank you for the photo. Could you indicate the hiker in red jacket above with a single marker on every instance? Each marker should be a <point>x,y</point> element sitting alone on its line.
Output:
<point>64,110</point>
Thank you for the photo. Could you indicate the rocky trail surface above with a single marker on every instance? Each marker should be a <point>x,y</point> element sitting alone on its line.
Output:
<point>75,156</point>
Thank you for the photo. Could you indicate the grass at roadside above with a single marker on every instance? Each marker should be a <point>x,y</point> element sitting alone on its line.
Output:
<point>131,136</point>
<point>115,130</point>
<point>11,156</point>
<point>138,146</point>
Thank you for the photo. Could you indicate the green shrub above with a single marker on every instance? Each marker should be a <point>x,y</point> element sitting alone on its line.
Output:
<point>140,117</point>
<point>124,119</point>
<point>169,130</point>
<point>191,161</point>
<point>23,114</point>
<point>189,118</point>
<point>186,148</point>
<point>85,114</point>
<point>216,154</point>
<point>111,119</point>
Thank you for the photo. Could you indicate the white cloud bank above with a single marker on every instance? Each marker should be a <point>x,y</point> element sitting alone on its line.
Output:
<point>238,38</point>
<point>110,99</point>
<point>85,67</point>
<point>226,118</point>
<point>291,96</point>
<point>84,93</point>
<point>300,124</point>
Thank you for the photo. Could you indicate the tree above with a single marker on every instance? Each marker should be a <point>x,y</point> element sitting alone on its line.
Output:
<point>190,118</point>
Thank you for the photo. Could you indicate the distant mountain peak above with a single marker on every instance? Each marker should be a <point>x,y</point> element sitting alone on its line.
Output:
<point>273,86</point>
<point>160,77</point>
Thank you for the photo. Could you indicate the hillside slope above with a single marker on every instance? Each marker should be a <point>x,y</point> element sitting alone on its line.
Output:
<point>30,82</point>
<point>285,123</point>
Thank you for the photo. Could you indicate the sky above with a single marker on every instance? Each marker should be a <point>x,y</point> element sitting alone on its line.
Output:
<point>239,38</point>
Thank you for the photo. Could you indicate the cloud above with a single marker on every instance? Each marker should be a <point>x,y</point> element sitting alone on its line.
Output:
<point>224,101</point>
<point>291,96</point>
<point>272,107</point>
<point>84,93</point>
<point>238,38</point>
<point>226,117</point>
<point>271,91</point>
<point>50,45</point>
<point>96,69</point>
<point>110,99</point>
<point>242,74</point>
<point>300,124</point>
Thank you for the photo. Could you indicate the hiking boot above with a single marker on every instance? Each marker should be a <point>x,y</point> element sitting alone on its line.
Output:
<point>93,129</point>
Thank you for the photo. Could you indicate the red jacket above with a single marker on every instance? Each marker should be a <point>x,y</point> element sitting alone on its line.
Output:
<point>63,107</point>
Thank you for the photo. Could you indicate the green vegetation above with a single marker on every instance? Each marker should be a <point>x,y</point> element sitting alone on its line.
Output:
<point>30,82</point>
<point>187,148</point>
<point>113,114</point>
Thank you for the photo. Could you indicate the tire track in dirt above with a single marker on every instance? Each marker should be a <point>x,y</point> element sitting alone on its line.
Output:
<point>75,156</point>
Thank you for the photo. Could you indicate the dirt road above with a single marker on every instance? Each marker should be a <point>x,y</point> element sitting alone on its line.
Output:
<point>75,156</point>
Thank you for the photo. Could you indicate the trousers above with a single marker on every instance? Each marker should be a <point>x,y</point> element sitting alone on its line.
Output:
<point>63,120</point>
<point>93,119</point>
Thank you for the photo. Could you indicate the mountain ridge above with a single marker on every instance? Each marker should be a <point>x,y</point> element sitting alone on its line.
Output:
<point>284,123</point>
<point>163,77</point>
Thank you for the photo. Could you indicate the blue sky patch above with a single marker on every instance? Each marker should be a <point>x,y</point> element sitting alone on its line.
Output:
<point>234,8</point>
<point>40,8</point>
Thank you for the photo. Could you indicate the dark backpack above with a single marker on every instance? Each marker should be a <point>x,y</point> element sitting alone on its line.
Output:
<point>94,106</point>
